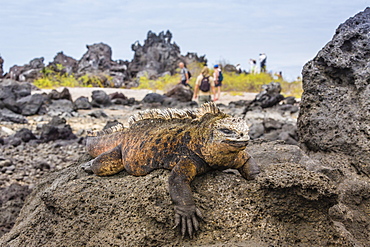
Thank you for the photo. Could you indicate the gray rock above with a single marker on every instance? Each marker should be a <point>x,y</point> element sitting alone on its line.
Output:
<point>286,205</point>
<point>30,105</point>
<point>335,109</point>
<point>181,93</point>
<point>82,103</point>
<point>100,99</point>
<point>59,107</point>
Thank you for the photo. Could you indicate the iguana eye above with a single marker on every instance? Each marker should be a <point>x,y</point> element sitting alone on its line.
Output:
<point>226,131</point>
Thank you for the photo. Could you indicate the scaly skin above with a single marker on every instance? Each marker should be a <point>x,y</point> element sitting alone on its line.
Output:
<point>188,145</point>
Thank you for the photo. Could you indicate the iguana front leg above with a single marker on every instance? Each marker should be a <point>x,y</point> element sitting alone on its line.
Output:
<point>186,212</point>
<point>250,169</point>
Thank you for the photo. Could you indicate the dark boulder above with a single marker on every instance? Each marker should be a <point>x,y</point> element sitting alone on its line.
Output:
<point>31,104</point>
<point>100,99</point>
<point>117,95</point>
<point>181,93</point>
<point>7,115</point>
<point>64,94</point>
<point>56,129</point>
<point>335,108</point>
<point>25,135</point>
<point>154,98</point>
<point>268,97</point>
<point>82,103</point>
<point>98,114</point>
<point>60,107</point>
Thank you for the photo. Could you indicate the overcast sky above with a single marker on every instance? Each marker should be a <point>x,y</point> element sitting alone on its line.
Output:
<point>290,32</point>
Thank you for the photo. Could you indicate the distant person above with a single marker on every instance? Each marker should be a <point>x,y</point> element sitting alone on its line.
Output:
<point>238,68</point>
<point>263,59</point>
<point>218,77</point>
<point>184,74</point>
<point>204,87</point>
<point>253,66</point>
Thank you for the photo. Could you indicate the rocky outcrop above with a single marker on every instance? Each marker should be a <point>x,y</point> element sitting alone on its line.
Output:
<point>64,64</point>
<point>335,109</point>
<point>334,120</point>
<point>287,205</point>
<point>97,61</point>
<point>27,72</point>
<point>158,56</point>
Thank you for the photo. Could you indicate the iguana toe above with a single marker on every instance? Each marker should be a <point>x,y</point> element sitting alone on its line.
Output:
<point>87,167</point>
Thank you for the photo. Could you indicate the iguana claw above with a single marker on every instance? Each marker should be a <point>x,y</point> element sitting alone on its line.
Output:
<point>187,217</point>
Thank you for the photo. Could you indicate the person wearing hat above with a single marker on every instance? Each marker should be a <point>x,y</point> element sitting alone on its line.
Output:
<point>218,81</point>
<point>206,95</point>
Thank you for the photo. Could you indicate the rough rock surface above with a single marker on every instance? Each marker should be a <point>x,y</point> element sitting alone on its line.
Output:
<point>335,109</point>
<point>11,202</point>
<point>287,206</point>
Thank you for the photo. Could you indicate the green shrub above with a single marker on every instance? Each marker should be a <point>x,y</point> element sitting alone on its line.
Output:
<point>52,78</point>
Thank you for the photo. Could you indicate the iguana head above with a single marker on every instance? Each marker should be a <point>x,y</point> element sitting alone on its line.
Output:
<point>228,137</point>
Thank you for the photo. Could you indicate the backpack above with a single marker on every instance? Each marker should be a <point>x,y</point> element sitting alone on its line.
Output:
<point>220,76</point>
<point>189,74</point>
<point>204,84</point>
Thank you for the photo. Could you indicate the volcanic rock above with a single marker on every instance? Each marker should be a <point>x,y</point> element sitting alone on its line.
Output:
<point>286,205</point>
<point>181,93</point>
<point>335,108</point>
<point>27,72</point>
<point>9,116</point>
<point>100,99</point>
<point>64,94</point>
<point>82,103</point>
<point>11,201</point>
<point>64,64</point>
<point>158,56</point>
<point>30,105</point>
<point>57,129</point>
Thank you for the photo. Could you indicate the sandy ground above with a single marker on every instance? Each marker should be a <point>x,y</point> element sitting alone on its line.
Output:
<point>139,94</point>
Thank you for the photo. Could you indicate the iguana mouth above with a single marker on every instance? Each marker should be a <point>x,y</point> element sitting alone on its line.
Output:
<point>236,143</point>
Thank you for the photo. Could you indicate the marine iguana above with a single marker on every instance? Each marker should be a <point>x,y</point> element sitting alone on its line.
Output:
<point>187,142</point>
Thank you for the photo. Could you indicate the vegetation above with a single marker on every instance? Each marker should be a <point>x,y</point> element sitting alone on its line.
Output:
<point>53,77</point>
<point>234,83</point>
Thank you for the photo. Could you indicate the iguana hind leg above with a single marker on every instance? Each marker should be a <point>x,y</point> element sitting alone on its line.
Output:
<point>107,163</point>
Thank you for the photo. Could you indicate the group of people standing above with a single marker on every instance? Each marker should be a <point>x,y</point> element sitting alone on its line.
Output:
<point>206,84</point>
<point>253,64</point>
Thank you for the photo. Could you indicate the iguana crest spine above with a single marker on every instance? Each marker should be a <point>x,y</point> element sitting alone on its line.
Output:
<point>170,114</point>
